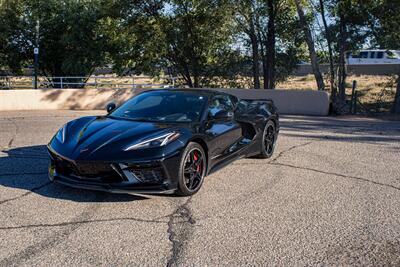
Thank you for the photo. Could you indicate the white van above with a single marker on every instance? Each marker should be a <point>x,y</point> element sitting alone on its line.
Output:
<point>373,57</point>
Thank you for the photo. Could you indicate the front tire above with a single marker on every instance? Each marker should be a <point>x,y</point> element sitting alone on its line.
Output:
<point>192,170</point>
<point>268,140</point>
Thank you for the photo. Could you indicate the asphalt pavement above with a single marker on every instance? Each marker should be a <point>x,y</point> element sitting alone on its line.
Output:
<point>330,195</point>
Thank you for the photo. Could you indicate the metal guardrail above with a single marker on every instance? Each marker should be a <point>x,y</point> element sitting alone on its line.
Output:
<point>97,82</point>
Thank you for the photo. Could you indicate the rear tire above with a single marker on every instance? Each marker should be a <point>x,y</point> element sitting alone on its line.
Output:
<point>192,170</point>
<point>268,140</point>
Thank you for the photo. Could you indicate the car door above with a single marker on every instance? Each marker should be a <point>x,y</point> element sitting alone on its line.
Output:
<point>222,132</point>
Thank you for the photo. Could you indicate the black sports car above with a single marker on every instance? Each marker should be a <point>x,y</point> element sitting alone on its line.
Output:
<point>162,141</point>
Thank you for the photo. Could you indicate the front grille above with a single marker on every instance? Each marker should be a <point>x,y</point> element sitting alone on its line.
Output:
<point>91,168</point>
<point>86,170</point>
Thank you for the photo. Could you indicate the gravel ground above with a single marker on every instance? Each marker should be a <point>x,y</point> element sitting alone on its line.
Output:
<point>329,196</point>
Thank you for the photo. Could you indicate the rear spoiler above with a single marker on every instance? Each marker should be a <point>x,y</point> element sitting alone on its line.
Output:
<point>260,101</point>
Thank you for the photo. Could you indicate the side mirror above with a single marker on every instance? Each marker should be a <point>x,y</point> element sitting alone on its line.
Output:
<point>110,107</point>
<point>223,115</point>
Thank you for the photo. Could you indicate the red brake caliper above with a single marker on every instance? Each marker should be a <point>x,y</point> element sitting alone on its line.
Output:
<point>195,158</point>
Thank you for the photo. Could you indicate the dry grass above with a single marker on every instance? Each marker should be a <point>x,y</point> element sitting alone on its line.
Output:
<point>376,93</point>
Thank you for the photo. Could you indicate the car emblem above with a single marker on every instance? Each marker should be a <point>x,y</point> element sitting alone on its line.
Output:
<point>83,150</point>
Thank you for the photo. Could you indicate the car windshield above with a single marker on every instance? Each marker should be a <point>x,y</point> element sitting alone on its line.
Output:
<point>164,106</point>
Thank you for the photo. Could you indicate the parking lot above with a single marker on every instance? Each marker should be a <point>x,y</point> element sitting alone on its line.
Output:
<point>330,195</point>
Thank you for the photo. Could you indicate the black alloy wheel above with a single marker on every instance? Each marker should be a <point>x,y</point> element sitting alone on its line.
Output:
<point>192,169</point>
<point>268,141</point>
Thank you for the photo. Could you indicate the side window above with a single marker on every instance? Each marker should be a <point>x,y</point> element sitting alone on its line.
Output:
<point>379,55</point>
<point>218,103</point>
<point>364,55</point>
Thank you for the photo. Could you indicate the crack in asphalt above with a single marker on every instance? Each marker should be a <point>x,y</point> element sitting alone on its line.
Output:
<point>290,149</point>
<point>33,190</point>
<point>337,174</point>
<point>178,236</point>
<point>62,224</point>
<point>54,239</point>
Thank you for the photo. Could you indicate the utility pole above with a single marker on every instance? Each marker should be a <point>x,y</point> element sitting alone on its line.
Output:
<point>36,53</point>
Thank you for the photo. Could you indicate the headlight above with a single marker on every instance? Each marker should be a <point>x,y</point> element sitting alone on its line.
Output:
<point>158,141</point>
<point>60,136</point>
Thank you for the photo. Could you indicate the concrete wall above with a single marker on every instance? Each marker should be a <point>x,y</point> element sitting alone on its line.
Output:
<point>297,102</point>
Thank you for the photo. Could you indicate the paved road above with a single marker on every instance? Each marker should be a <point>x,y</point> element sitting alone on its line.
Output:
<point>329,196</point>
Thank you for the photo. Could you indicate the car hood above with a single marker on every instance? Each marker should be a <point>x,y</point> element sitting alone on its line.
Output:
<point>104,137</point>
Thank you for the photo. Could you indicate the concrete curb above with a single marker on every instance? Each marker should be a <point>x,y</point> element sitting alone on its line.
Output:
<point>294,102</point>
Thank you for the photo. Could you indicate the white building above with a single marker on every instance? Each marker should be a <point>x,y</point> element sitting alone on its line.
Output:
<point>373,57</point>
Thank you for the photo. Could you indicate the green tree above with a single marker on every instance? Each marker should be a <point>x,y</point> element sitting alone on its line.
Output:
<point>136,39</point>
<point>70,39</point>
<point>281,38</point>
<point>197,34</point>
<point>384,25</point>
<point>75,36</point>
<point>311,45</point>
<point>247,14</point>
<point>14,48</point>
<point>272,33</point>
<point>345,32</point>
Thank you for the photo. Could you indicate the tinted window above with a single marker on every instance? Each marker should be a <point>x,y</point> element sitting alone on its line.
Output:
<point>218,103</point>
<point>379,55</point>
<point>364,55</point>
<point>166,106</point>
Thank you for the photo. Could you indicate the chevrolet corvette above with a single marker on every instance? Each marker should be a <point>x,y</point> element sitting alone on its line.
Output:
<point>162,141</point>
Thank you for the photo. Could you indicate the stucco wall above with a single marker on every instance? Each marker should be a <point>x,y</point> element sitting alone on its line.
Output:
<point>297,102</point>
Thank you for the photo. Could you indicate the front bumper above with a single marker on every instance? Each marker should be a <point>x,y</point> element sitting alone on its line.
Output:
<point>131,176</point>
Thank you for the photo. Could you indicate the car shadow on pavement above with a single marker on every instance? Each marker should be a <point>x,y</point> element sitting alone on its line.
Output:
<point>26,168</point>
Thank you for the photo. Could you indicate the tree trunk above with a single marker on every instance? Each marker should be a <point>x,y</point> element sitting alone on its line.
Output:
<point>269,76</point>
<point>196,83</point>
<point>255,55</point>
<point>311,47</point>
<point>396,104</point>
<point>342,60</point>
<point>187,77</point>
<point>330,51</point>
<point>262,50</point>
<point>195,71</point>
<point>264,66</point>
